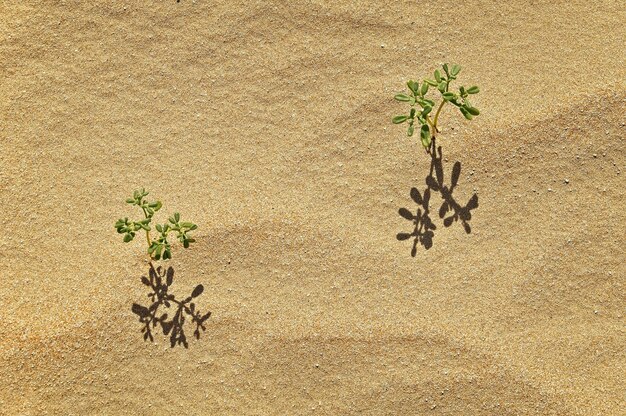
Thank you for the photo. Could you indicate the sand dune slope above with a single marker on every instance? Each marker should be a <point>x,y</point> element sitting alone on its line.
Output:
<point>269,126</point>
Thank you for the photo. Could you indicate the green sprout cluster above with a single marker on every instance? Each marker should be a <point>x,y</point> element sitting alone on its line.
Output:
<point>158,247</point>
<point>418,97</point>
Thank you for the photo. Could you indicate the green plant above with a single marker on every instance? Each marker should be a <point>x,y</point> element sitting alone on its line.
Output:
<point>418,97</point>
<point>158,247</point>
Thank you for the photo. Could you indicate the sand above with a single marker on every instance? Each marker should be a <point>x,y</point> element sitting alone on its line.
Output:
<point>268,125</point>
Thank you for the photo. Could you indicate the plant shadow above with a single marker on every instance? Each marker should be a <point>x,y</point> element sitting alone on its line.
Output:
<point>450,210</point>
<point>160,280</point>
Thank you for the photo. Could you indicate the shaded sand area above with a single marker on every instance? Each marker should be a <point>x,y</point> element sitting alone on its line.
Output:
<point>269,126</point>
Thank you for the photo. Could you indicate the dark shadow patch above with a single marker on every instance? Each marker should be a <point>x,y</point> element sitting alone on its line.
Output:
<point>450,210</point>
<point>160,282</point>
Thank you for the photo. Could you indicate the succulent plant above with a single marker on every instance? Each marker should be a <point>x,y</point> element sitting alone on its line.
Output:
<point>421,105</point>
<point>159,247</point>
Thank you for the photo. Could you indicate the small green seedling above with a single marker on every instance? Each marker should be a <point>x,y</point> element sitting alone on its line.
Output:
<point>158,247</point>
<point>418,97</point>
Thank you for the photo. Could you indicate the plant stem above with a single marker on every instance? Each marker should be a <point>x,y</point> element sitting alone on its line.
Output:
<point>147,232</point>
<point>437,116</point>
<point>434,124</point>
<point>430,123</point>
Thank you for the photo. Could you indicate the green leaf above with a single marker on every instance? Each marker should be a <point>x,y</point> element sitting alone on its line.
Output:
<point>430,82</point>
<point>177,216</point>
<point>442,87</point>
<point>472,110</point>
<point>128,237</point>
<point>473,90</point>
<point>425,135</point>
<point>448,96</point>
<point>445,68</point>
<point>155,206</point>
<point>410,130</point>
<point>424,89</point>
<point>437,76</point>
<point>413,86</point>
<point>465,113</point>
<point>455,70</point>
<point>402,97</point>
<point>426,111</point>
<point>186,224</point>
<point>399,119</point>
<point>412,115</point>
<point>193,227</point>
<point>130,201</point>
<point>159,228</point>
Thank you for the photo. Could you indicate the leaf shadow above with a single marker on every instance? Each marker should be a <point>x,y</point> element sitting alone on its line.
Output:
<point>450,210</point>
<point>160,281</point>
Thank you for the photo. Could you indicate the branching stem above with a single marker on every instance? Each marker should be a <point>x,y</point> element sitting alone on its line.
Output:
<point>147,232</point>
<point>437,116</point>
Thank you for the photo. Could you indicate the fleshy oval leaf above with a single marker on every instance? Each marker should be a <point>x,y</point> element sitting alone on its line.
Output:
<point>402,97</point>
<point>399,119</point>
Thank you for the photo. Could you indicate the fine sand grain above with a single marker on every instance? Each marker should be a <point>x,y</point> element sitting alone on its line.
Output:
<point>268,124</point>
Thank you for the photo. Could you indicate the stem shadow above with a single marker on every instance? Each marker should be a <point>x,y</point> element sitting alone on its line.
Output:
<point>159,282</point>
<point>450,210</point>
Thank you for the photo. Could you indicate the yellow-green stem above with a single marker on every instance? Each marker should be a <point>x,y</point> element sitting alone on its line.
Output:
<point>437,116</point>
<point>430,123</point>
<point>147,232</point>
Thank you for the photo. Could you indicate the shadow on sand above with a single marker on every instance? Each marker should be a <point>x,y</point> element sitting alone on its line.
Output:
<point>159,283</point>
<point>451,211</point>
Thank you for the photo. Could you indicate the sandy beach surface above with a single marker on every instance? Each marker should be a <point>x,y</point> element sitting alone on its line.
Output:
<point>269,125</point>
